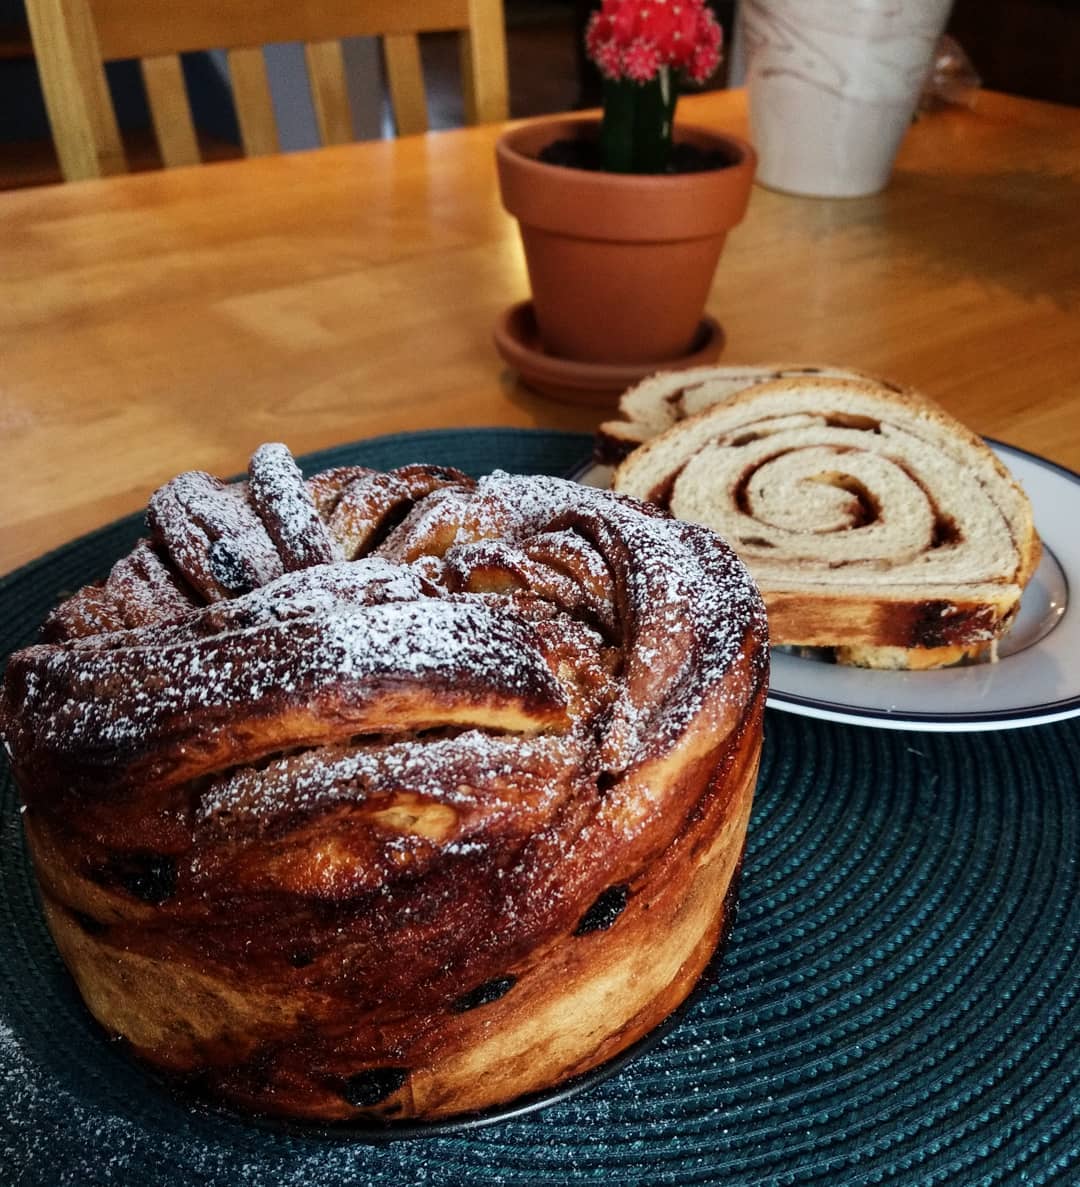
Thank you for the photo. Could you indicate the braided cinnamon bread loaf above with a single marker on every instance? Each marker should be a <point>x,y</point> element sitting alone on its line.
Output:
<point>391,795</point>
<point>874,523</point>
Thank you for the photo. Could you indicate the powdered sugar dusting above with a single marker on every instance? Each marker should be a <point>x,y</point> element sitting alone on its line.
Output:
<point>287,509</point>
<point>54,1135</point>
<point>145,589</point>
<point>324,590</point>
<point>429,528</point>
<point>76,699</point>
<point>573,555</point>
<point>469,770</point>
<point>327,638</point>
<point>687,603</point>
<point>213,535</point>
<point>690,620</point>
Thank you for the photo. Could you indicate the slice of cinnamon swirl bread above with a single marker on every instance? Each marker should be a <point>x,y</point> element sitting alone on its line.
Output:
<point>874,522</point>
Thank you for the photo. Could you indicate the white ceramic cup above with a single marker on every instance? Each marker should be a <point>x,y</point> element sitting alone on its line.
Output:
<point>833,86</point>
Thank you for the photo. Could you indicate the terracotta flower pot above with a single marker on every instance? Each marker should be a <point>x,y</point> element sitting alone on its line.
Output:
<point>620,264</point>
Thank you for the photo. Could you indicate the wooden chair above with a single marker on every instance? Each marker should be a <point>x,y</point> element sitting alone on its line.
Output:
<point>74,38</point>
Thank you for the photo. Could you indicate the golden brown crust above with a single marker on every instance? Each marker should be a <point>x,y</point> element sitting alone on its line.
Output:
<point>402,836</point>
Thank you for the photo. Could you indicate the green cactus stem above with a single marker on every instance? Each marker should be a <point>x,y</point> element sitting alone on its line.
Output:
<point>638,119</point>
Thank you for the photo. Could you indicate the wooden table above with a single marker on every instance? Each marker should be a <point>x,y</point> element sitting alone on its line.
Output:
<point>166,321</point>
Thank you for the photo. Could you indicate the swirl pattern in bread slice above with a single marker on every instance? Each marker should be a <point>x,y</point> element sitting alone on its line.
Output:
<point>874,522</point>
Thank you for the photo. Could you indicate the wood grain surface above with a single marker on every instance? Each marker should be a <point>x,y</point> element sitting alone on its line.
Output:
<point>164,321</point>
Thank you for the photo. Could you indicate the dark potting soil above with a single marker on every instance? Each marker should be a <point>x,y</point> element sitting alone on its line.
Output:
<point>585,154</point>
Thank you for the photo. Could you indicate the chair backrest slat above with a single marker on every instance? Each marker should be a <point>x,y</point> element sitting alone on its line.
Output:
<point>73,38</point>
<point>76,92</point>
<point>167,96</point>
<point>329,91</point>
<point>405,79</point>
<point>254,105</point>
<point>484,68</point>
<point>130,28</point>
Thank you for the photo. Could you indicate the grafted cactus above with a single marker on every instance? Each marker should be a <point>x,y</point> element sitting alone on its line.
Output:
<point>645,50</point>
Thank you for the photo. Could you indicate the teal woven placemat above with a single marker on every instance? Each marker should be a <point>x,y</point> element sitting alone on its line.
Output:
<point>898,1003</point>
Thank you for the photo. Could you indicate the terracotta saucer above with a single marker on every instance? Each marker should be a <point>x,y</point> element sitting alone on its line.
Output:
<point>517,339</point>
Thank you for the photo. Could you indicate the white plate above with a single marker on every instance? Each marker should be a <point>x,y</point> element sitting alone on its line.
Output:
<point>1037,676</point>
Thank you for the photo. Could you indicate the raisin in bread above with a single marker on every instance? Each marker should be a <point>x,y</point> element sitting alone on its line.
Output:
<point>391,795</point>
<point>874,523</point>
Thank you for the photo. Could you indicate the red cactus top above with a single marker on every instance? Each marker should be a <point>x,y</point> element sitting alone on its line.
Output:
<point>634,39</point>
